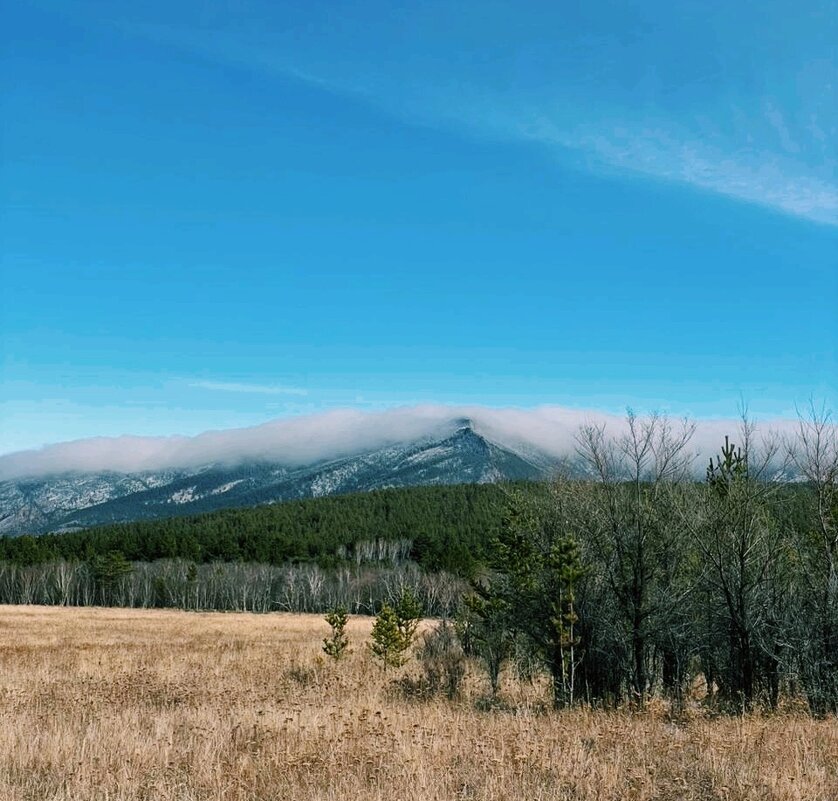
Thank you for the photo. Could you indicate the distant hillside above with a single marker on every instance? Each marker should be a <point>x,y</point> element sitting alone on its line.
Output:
<point>77,501</point>
<point>447,528</point>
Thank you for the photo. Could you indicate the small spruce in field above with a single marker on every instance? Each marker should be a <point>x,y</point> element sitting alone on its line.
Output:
<point>408,614</point>
<point>337,645</point>
<point>387,642</point>
<point>395,629</point>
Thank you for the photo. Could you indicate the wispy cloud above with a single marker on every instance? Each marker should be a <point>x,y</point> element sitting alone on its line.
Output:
<point>742,119</point>
<point>248,389</point>
<point>758,152</point>
<point>659,150</point>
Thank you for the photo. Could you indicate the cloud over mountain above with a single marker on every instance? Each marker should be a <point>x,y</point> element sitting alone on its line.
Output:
<point>304,440</point>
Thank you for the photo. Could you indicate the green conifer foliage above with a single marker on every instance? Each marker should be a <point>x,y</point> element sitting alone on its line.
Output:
<point>395,629</point>
<point>387,642</point>
<point>108,572</point>
<point>408,614</point>
<point>337,645</point>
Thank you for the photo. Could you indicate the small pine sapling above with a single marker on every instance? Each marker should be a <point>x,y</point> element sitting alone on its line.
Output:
<point>337,645</point>
<point>408,614</point>
<point>388,644</point>
<point>395,630</point>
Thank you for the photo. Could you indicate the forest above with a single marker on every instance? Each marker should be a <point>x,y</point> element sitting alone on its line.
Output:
<point>636,580</point>
<point>448,528</point>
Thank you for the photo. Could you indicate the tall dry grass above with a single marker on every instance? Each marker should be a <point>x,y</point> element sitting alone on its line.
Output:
<point>125,704</point>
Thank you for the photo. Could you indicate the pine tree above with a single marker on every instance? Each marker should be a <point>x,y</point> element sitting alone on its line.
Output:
<point>486,629</point>
<point>395,629</point>
<point>388,643</point>
<point>408,614</point>
<point>532,592</point>
<point>108,572</point>
<point>337,645</point>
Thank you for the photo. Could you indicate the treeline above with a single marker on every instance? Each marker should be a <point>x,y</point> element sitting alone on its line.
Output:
<point>227,586</point>
<point>449,528</point>
<point>641,580</point>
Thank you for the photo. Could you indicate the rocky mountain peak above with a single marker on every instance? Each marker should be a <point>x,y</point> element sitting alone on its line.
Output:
<point>461,456</point>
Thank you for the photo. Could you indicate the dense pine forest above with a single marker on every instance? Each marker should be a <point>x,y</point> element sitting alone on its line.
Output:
<point>444,527</point>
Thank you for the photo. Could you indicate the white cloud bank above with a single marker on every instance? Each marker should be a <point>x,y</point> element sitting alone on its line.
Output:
<point>308,439</point>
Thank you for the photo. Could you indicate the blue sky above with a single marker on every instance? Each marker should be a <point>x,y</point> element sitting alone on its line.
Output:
<point>215,214</point>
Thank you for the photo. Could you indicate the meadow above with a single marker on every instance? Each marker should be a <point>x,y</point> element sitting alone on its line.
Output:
<point>122,704</point>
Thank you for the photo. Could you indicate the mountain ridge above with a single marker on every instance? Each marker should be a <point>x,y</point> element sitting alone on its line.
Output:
<point>71,501</point>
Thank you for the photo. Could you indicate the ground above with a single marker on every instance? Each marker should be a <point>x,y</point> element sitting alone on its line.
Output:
<point>175,706</point>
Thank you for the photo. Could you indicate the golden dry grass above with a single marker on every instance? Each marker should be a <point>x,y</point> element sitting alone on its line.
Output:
<point>127,704</point>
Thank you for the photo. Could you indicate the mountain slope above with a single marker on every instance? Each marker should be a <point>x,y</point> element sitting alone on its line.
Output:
<point>69,502</point>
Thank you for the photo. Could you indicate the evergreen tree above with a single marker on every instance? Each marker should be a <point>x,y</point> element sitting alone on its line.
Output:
<point>108,571</point>
<point>408,614</point>
<point>485,629</point>
<point>395,629</point>
<point>532,594</point>
<point>337,645</point>
<point>388,644</point>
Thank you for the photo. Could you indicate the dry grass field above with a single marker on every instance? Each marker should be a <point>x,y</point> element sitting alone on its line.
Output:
<point>126,704</point>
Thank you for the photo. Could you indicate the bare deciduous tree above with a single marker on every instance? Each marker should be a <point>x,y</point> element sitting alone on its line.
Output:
<point>814,455</point>
<point>740,543</point>
<point>625,521</point>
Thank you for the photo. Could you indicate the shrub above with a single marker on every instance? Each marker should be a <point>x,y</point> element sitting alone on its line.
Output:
<point>443,660</point>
